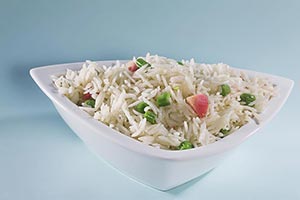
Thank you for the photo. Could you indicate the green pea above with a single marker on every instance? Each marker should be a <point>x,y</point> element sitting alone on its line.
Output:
<point>140,107</point>
<point>225,90</point>
<point>247,98</point>
<point>185,145</point>
<point>90,102</point>
<point>150,116</point>
<point>140,62</point>
<point>179,63</point>
<point>163,99</point>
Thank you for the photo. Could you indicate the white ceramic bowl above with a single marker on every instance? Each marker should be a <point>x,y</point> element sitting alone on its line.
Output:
<point>161,169</point>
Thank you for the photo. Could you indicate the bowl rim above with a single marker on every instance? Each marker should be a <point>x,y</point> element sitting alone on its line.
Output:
<point>42,77</point>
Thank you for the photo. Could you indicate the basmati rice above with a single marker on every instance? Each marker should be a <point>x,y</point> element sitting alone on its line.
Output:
<point>117,91</point>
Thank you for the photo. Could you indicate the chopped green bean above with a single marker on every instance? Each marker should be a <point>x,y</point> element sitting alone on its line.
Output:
<point>225,90</point>
<point>90,102</point>
<point>247,98</point>
<point>140,107</point>
<point>163,99</point>
<point>185,145</point>
<point>225,132</point>
<point>140,62</point>
<point>179,63</point>
<point>150,116</point>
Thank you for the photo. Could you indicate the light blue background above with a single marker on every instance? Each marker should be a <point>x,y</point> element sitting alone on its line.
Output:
<point>40,157</point>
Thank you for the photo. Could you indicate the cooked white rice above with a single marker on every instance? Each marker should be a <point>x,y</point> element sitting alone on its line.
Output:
<point>117,91</point>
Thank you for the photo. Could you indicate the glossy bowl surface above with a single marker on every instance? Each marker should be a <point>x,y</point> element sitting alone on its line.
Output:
<point>161,169</point>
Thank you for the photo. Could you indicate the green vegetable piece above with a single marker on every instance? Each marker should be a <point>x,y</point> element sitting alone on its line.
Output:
<point>225,132</point>
<point>140,107</point>
<point>247,98</point>
<point>185,145</point>
<point>140,62</point>
<point>90,102</point>
<point>180,63</point>
<point>163,99</point>
<point>150,116</point>
<point>225,90</point>
<point>176,88</point>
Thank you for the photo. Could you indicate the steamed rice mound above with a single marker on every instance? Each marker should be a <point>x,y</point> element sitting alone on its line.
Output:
<point>116,91</point>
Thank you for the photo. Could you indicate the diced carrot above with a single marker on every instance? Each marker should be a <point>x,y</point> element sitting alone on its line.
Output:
<point>132,66</point>
<point>86,96</point>
<point>199,103</point>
